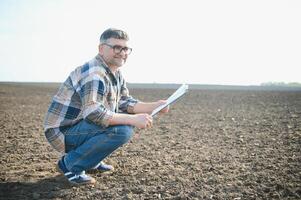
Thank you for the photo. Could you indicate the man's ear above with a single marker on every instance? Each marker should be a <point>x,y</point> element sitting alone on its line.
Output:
<point>100,49</point>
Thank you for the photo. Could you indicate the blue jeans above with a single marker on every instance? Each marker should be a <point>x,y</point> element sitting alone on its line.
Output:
<point>87,144</point>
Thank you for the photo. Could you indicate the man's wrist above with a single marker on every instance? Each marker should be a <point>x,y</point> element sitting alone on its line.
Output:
<point>129,119</point>
<point>121,119</point>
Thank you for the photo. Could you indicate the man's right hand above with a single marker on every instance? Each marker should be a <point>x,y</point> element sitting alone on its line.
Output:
<point>142,120</point>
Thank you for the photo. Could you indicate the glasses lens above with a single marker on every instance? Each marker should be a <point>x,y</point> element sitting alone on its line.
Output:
<point>117,48</point>
<point>128,50</point>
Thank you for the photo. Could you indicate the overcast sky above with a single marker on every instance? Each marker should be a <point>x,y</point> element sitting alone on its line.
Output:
<point>185,41</point>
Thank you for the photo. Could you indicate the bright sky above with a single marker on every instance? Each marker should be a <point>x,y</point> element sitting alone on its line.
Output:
<point>233,42</point>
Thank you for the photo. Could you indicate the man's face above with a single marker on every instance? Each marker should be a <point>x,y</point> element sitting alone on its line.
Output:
<point>114,52</point>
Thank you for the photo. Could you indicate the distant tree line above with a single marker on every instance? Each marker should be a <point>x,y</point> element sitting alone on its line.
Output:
<point>282,84</point>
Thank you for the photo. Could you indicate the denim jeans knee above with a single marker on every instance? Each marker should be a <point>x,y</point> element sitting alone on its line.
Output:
<point>124,133</point>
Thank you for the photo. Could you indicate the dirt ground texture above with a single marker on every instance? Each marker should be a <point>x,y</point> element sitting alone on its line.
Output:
<point>213,144</point>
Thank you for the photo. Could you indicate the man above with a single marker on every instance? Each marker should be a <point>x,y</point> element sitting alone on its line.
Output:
<point>93,114</point>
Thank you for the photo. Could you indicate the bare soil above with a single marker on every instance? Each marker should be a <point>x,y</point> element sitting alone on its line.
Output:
<point>214,144</point>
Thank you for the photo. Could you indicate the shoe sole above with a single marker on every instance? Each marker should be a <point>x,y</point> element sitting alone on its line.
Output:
<point>92,182</point>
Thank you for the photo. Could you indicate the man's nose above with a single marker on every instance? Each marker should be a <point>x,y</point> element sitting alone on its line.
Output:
<point>123,53</point>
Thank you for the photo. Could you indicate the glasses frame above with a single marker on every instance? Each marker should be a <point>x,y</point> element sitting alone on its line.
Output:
<point>126,50</point>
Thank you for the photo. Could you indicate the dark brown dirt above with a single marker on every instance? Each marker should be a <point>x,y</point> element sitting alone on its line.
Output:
<point>212,145</point>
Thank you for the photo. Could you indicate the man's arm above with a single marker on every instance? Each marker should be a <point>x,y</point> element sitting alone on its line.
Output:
<point>138,120</point>
<point>148,107</point>
<point>92,94</point>
<point>141,118</point>
<point>128,104</point>
<point>139,112</point>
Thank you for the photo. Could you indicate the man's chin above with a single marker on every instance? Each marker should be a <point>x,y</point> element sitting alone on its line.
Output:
<point>119,64</point>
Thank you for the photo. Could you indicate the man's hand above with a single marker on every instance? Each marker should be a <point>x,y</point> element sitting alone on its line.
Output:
<point>164,110</point>
<point>142,120</point>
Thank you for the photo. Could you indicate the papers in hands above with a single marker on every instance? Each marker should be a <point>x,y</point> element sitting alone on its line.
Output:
<point>177,94</point>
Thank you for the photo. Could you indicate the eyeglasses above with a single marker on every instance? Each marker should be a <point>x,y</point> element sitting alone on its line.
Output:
<point>117,49</point>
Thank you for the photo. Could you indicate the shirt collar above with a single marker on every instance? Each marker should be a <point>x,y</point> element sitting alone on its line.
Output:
<point>102,63</point>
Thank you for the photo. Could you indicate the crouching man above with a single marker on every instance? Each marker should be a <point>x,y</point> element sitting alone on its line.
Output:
<point>92,114</point>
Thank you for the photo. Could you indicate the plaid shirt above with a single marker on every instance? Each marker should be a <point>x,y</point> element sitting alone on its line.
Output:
<point>91,92</point>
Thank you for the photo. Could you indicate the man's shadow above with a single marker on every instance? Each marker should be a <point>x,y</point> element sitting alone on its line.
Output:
<point>49,188</point>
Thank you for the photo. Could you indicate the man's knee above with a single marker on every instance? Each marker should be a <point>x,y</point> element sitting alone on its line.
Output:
<point>124,133</point>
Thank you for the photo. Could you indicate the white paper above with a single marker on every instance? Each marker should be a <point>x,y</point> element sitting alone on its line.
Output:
<point>177,94</point>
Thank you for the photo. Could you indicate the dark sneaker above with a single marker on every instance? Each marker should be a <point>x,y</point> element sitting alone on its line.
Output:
<point>103,167</point>
<point>78,179</point>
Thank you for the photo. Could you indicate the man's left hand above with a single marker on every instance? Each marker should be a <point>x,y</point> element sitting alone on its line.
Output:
<point>164,110</point>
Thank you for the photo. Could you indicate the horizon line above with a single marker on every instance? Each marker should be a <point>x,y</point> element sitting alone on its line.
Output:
<point>173,85</point>
<point>146,83</point>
